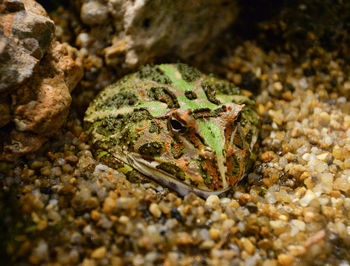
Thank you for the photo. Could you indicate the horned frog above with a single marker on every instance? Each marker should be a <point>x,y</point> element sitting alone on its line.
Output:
<point>188,131</point>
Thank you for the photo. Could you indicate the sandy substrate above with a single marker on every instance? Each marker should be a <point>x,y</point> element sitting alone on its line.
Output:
<point>294,208</point>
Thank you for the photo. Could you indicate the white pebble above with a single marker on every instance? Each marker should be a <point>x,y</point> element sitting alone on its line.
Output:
<point>212,201</point>
<point>308,197</point>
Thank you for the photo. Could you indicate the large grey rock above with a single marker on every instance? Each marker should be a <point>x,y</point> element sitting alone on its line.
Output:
<point>132,33</point>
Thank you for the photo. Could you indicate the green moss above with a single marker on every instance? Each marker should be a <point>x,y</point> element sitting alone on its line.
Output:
<point>153,73</point>
<point>189,74</point>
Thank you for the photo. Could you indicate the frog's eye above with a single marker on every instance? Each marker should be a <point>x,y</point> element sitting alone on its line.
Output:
<point>176,126</point>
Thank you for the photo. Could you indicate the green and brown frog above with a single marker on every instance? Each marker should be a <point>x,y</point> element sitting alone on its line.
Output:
<point>187,131</point>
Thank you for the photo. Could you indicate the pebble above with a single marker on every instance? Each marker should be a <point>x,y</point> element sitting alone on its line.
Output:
<point>94,12</point>
<point>285,259</point>
<point>308,197</point>
<point>212,201</point>
<point>248,246</point>
<point>214,233</point>
<point>109,205</point>
<point>155,210</point>
<point>98,253</point>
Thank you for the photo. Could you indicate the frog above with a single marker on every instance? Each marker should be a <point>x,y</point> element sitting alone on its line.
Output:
<point>185,130</point>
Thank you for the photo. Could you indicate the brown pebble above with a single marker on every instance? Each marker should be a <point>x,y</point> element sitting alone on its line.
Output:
<point>98,253</point>
<point>267,156</point>
<point>214,233</point>
<point>183,238</point>
<point>317,237</point>
<point>243,199</point>
<point>248,246</point>
<point>95,215</point>
<point>285,259</point>
<point>155,210</point>
<point>109,205</point>
<point>287,95</point>
<point>71,159</point>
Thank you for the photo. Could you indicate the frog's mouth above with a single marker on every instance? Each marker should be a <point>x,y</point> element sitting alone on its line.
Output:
<point>166,179</point>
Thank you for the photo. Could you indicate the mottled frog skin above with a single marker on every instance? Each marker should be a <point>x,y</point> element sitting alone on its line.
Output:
<point>188,131</point>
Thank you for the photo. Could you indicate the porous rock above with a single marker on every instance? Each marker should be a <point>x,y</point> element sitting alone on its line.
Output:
<point>25,36</point>
<point>36,77</point>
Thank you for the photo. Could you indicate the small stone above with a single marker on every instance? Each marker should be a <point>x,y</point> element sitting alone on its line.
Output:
<point>308,197</point>
<point>285,259</point>
<point>155,210</point>
<point>316,238</point>
<point>71,159</point>
<point>183,238</point>
<point>267,156</point>
<point>98,253</point>
<point>248,246</point>
<point>323,156</point>
<point>95,215</point>
<point>277,116</point>
<point>287,95</point>
<point>299,224</point>
<point>88,262</point>
<point>278,226</point>
<point>93,13</point>
<point>124,219</point>
<point>214,233</point>
<point>296,250</point>
<point>337,152</point>
<point>207,244</point>
<point>324,118</point>
<point>269,263</point>
<point>277,86</point>
<point>342,183</point>
<point>212,201</point>
<point>109,205</point>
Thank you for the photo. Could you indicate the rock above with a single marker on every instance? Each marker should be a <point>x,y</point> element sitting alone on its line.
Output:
<point>285,259</point>
<point>25,35</point>
<point>93,13</point>
<point>99,253</point>
<point>155,210</point>
<point>212,201</point>
<point>36,77</point>
<point>143,30</point>
<point>109,205</point>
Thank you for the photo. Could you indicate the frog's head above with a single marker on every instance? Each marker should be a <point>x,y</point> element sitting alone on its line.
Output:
<point>198,150</point>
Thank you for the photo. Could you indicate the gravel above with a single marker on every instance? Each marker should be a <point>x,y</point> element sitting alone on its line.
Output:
<point>294,208</point>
